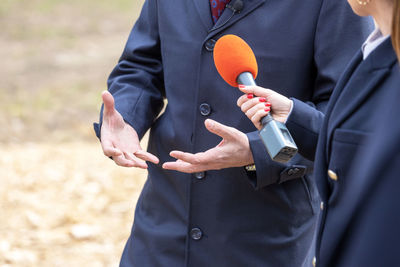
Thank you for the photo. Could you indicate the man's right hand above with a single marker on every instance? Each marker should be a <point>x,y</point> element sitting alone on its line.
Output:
<point>119,140</point>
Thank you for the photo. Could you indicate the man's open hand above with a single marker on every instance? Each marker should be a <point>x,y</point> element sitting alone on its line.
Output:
<point>232,151</point>
<point>119,140</point>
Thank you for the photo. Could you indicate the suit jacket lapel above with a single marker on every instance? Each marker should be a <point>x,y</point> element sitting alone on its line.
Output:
<point>342,82</point>
<point>248,7</point>
<point>370,72</point>
<point>204,11</point>
<point>321,153</point>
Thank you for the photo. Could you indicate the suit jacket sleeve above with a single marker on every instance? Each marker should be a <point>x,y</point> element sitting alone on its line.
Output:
<point>137,81</point>
<point>338,35</point>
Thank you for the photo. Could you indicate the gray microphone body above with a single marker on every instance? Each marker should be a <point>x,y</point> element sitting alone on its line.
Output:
<point>275,136</point>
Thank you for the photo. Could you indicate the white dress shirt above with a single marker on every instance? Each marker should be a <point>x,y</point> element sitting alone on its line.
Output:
<point>372,42</point>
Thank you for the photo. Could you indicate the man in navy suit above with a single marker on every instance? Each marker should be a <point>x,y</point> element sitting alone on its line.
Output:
<point>232,216</point>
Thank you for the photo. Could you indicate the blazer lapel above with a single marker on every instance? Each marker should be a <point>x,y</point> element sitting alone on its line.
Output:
<point>321,155</point>
<point>369,73</point>
<point>226,19</point>
<point>342,82</point>
<point>204,11</point>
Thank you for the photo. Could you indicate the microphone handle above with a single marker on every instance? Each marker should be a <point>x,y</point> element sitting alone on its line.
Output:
<point>275,136</point>
<point>246,78</point>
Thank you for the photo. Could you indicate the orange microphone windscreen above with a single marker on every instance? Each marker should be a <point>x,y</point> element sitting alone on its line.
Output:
<point>233,56</point>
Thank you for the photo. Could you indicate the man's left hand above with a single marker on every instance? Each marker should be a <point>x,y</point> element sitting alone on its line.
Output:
<point>232,151</point>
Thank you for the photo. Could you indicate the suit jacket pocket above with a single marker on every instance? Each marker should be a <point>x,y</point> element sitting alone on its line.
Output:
<point>349,136</point>
<point>344,149</point>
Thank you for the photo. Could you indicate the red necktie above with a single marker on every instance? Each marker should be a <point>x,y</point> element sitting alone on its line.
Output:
<point>217,7</point>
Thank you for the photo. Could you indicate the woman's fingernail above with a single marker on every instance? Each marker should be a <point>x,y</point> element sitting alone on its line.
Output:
<point>267,109</point>
<point>262,99</point>
<point>241,86</point>
<point>267,104</point>
<point>250,96</point>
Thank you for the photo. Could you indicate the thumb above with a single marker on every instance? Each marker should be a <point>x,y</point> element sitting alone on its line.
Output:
<point>256,90</point>
<point>219,129</point>
<point>108,101</point>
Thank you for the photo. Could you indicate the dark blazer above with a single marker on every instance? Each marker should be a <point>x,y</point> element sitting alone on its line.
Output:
<point>372,229</point>
<point>350,119</point>
<point>219,218</point>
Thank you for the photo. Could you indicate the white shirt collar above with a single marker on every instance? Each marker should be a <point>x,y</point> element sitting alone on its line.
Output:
<point>373,41</point>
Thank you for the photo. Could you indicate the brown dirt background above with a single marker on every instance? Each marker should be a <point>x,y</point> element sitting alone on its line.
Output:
<point>62,202</point>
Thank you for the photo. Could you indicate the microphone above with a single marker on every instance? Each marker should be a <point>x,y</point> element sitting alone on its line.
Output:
<point>237,64</point>
<point>236,7</point>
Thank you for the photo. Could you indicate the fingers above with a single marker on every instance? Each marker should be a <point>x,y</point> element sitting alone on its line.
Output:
<point>112,152</point>
<point>256,118</point>
<point>220,129</point>
<point>135,161</point>
<point>197,158</point>
<point>246,106</point>
<point>108,148</point>
<point>108,101</point>
<point>255,109</point>
<point>252,111</point>
<point>123,161</point>
<point>111,117</point>
<point>146,156</point>
<point>127,159</point>
<point>188,162</point>
<point>180,166</point>
<point>119,129</point>
<point>256,90</point>
<point>243,99</point>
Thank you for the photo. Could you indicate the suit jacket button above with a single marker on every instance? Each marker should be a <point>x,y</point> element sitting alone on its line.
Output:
<point>314,262</point>
<point>196,234</point>
<point>200,175</point>
<point>322,205</point>
<point>209,45</point>
<point>205,109</point>
<point>332,175</point>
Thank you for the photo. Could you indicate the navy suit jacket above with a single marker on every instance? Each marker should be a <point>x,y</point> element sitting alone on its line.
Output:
<point>219,218</point>
<point>350,120</point>
<point>372,196</point>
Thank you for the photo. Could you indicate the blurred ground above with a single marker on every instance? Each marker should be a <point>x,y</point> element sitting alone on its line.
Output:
<point>62,203</point>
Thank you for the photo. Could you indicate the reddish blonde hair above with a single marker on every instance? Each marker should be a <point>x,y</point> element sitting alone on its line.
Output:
<point>396,27</point>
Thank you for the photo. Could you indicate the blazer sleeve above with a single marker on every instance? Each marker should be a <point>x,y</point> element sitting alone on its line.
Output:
<point>137,80</point>
<point>338,35</point>
<point>304,124</point>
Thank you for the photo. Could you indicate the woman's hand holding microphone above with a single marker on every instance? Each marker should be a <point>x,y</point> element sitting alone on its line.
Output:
<point>258,102</point>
